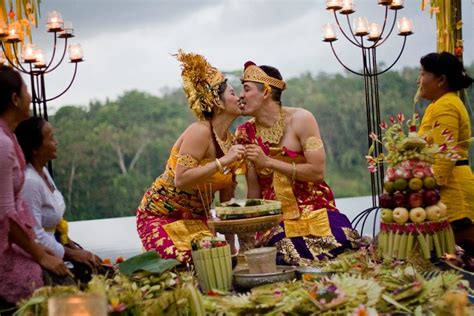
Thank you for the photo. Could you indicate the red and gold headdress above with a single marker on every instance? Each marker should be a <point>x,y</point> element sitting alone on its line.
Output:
<point>201,82</point>
<point>255,74</point>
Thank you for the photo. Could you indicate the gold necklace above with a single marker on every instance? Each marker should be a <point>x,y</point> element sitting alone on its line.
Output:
<point>272,134</point>
<point>224,145</point>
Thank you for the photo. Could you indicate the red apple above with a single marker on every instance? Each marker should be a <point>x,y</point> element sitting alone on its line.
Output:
<point>430,197</point>
<point>415,199</point>
<point>400,215</point>
<point>399,199</point>
<point>433,212</point>
<point>385,200</point>
<point>387,215</point>
<point>417,214</point>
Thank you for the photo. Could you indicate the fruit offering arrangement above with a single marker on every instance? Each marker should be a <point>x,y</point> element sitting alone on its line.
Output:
<point>412,216</point>
<point>247,209</point>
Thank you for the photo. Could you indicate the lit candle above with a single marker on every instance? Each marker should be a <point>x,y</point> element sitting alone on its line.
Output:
<point>361,26</point>
<point>405,26</point>
<point>333,4</point>
<point>75,52</point>
<point>396,4</point>
<point>29,53</point>
<point>3,29</point>
<point>55,21</point>
<point>12,34</point>
<point>374,31</point>
<point>67,31</point>
<point>347,6</point>
<point>329,32</point>
<point>40,60</point>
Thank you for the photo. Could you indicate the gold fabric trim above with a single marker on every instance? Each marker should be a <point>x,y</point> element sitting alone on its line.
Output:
<point>183,231</point>
<point>315,223</point>
<point>186,160</point>
<point>284,193</point>
<point>313,143</point>
<point>256,74</point>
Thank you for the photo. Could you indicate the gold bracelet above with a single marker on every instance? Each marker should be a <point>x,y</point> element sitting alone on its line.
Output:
<point>293,172</point>
<point>219,166</point>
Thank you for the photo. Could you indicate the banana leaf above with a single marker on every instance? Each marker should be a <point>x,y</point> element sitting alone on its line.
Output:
<point>149,261</point>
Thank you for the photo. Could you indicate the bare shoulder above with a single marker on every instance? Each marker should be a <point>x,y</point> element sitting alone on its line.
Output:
<point>299,116</point>
<point>198,129</point>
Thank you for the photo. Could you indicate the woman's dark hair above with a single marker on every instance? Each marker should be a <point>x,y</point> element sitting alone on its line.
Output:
<point>448,65</point>
<point>30,136</point>
<point>274,73</point>
<point>10,82</point>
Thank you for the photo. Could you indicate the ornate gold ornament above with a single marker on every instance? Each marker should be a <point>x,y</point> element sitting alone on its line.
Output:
<point>224,144</point>
<point>187,160</point>
<point>255,74</point>
<point>201,82</point>
<point>272,134</point>
<point>313,143</point>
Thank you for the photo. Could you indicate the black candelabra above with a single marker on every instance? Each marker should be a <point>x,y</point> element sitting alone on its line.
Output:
<point>368,37</point>
<point>31,61</point>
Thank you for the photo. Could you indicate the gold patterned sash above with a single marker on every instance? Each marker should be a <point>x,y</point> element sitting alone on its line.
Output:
<point>315,223</point>
<point>183,231</point>
<point>284,193</point>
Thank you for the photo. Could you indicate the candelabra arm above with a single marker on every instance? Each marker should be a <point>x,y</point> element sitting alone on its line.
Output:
<point>54,52</point>
<point>67,88</point>
<point>344,33</point>
<point>61,60</point>
<point>355,41</point>
<point>19,67</point>
<point>380,42</point>
<point>343,65</point>
<point>398,57</point>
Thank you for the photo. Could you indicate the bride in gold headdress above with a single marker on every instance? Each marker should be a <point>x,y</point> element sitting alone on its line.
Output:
<point>202,161</point>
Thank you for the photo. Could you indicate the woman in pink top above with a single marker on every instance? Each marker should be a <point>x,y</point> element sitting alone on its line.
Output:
<point>21,258</point>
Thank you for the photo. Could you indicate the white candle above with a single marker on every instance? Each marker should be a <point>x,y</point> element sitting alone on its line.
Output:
<point>405,25</point>
<point>374,31</point>
<point>29,53</point>
<point>67,31</point>
<point>40,60</point>
<point>361,26</point>
<point>329,32</point>
<point>396,4</point>
<point>347,6</point>
<point>55,21</point>
<point>3,29</point>
<point>12,33</point>
<point>333,4</point>
<point>75,52</point>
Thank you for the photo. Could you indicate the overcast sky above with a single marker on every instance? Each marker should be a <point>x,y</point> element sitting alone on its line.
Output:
<point>128,44</point>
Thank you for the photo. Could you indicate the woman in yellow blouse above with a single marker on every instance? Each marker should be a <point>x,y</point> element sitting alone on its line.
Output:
<point>202,161</point>
<point>447,120</point>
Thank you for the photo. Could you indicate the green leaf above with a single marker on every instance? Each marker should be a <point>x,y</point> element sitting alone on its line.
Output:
<point>395,303</point>
<point>149,261</point>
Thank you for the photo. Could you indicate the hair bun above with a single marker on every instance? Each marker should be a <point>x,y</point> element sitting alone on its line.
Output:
<point>248,64</point>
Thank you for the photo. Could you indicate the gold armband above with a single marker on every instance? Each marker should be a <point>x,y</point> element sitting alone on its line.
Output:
<point>187,160</point>
<point>313,143</point>
<point>293,172</point>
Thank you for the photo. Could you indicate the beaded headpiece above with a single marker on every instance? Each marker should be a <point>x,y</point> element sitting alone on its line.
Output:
<point>201,82</point>
<point>255,74</point>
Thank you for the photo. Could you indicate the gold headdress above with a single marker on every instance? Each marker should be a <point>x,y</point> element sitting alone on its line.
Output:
<point>201,82</point>
<point>255,74</point>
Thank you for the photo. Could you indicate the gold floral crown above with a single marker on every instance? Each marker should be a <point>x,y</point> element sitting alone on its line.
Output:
<point>255,74</point>
<point>201,82</point>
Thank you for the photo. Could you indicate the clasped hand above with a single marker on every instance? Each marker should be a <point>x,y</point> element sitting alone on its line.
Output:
<point>253,153</point>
